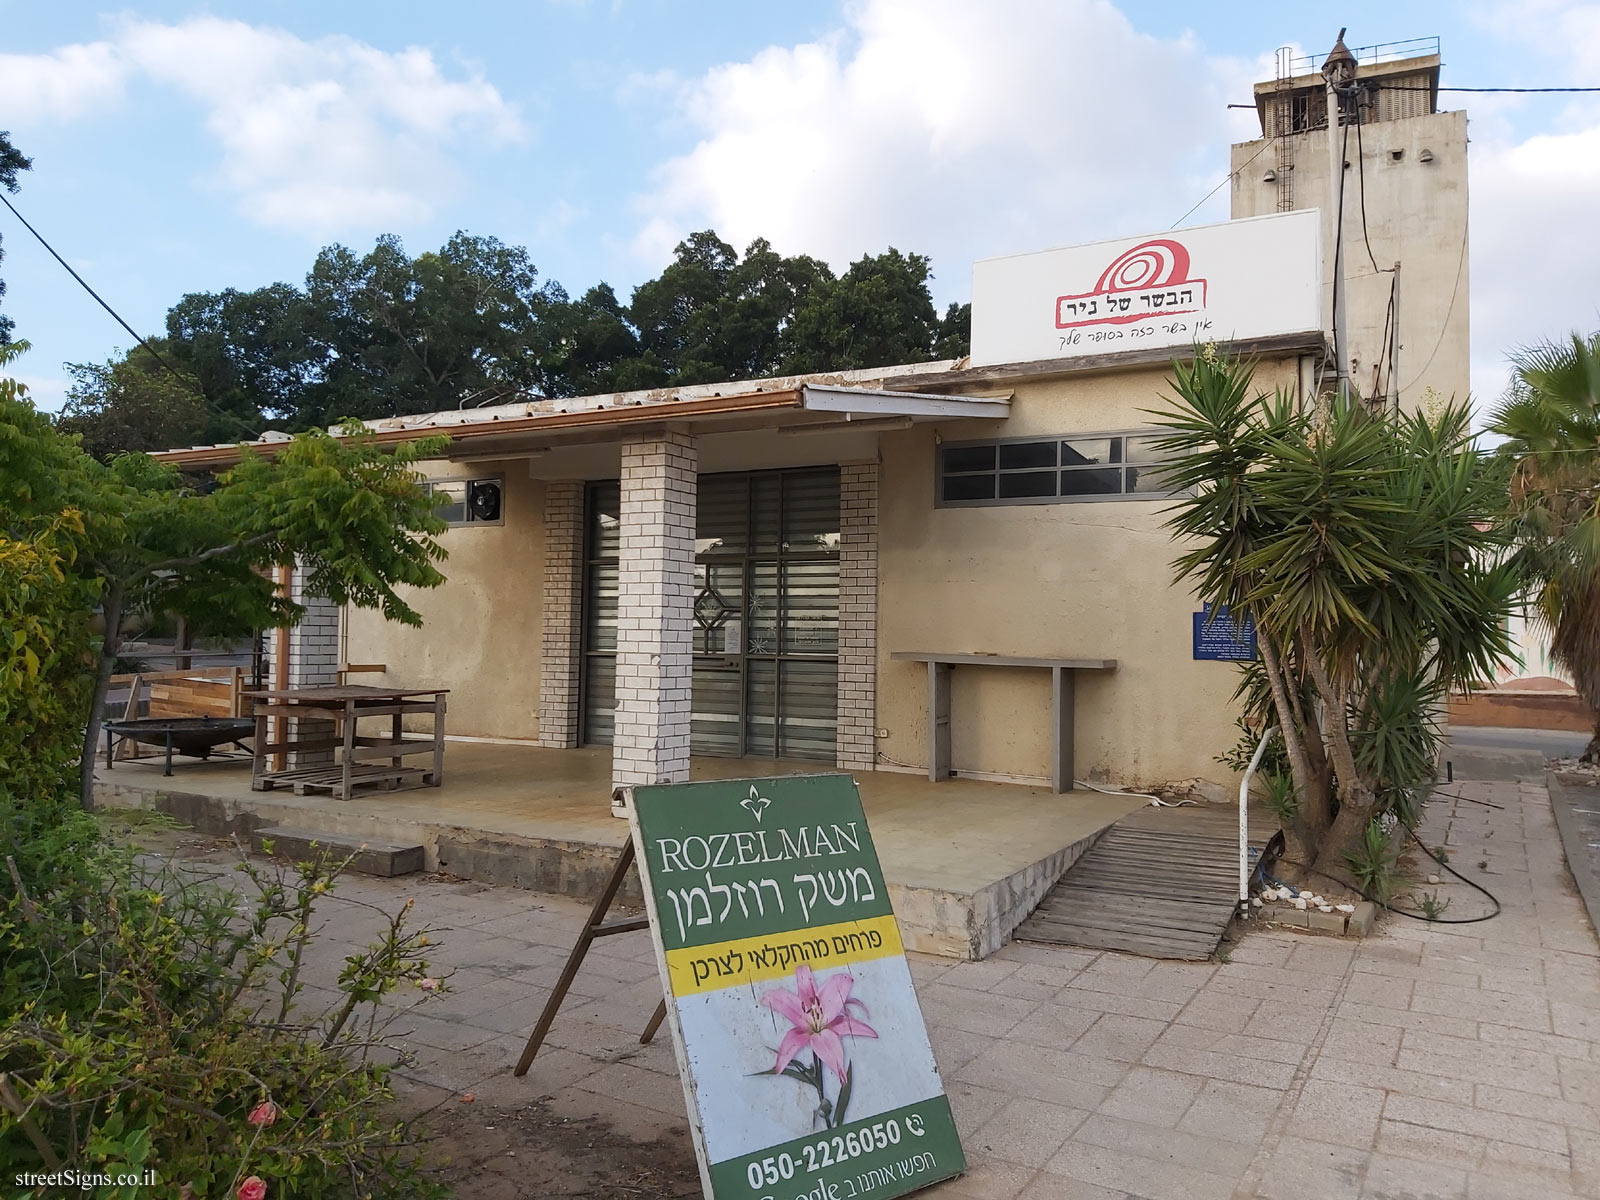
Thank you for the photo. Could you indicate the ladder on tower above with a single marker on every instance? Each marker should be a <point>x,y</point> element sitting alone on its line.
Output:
<point>1283,127</point>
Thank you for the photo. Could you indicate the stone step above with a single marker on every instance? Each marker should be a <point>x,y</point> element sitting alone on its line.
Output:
<point>372,856</point>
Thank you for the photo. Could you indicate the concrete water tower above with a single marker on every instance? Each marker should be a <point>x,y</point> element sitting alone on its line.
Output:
<point>1404,226</point>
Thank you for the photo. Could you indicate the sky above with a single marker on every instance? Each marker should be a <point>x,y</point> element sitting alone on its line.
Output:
<point>181,148</point>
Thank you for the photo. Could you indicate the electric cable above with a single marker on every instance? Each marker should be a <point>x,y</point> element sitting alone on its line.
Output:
<point>1401,87</point>
<point>117,317</point>
<point>1361,171</point>
<point>1338,247</point>
<point>1398,87</point>
<point>1444,326</point>
<point>1270,138</point>
<point>1383,342</point>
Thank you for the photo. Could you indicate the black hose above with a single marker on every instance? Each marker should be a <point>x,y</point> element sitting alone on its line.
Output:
<point>1493,899</point>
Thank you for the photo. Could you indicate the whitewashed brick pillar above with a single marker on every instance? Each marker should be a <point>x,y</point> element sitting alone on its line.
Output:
<point>858,617</point>
<point>563,597</point>
<point>313,658</point>
<point>655,610</point>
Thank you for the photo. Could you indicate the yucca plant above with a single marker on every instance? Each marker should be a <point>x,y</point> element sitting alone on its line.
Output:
<point>1373,862</point>
<point>1367,547</point>
<point>1550,418</point>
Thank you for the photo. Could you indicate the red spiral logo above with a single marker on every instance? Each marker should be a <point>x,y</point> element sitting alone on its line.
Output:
<point>1156,263</point>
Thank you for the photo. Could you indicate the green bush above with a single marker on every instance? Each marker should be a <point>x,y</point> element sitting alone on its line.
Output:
<point>157,1024</point>
<point>1374,861</point>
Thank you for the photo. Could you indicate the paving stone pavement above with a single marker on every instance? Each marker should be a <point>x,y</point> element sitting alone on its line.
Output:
<point>1457,1062</point>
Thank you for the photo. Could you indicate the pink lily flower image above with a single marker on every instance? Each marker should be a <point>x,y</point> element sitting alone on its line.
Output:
<point>820,1019</point>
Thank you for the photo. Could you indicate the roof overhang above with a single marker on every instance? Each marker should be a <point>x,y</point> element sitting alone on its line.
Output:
<point>543,424</point>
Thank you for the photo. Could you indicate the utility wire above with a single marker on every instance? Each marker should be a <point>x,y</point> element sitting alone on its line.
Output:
<point>84,285</point>
<point>1527,91</point>
<point>117,317</point>
<point>1396,87</point>
<point>1361,169</point>
<point>1223,180</point>
<point>1444,326</point>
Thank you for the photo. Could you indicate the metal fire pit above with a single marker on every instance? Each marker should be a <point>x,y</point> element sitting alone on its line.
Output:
<point>194,736</point>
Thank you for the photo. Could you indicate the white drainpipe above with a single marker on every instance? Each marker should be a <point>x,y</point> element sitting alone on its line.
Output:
<point>1244,818</point>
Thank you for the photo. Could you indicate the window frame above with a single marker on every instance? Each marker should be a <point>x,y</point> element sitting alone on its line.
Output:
<point>470,521</point>
<point>998,501</point>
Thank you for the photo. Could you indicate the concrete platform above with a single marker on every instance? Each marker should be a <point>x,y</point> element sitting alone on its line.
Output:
<point>966,861</point>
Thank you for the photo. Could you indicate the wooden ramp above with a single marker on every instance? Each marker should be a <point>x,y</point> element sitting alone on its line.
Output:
<point>1162,882</point>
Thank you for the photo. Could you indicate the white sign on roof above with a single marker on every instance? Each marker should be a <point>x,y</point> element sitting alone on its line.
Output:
<point>1212,283</point>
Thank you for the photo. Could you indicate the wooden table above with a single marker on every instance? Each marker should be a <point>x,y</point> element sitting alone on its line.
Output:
<point>365,759</point>
<point>1062,677</point>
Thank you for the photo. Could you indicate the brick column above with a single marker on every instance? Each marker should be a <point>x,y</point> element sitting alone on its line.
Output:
<point>563,597</point>
<point>313,659</point>
<point>655,615</point>
<point>858,617</point>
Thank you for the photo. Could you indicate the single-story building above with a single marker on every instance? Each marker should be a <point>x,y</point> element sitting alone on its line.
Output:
<point>737,569</point>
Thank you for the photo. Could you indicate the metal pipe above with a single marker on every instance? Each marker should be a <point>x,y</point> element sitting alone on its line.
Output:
<point>1244,816</point>
<point>280,668</point>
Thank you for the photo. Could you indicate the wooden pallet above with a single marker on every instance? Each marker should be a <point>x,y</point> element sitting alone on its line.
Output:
<point>1162,882</point>
<point>305,780</point>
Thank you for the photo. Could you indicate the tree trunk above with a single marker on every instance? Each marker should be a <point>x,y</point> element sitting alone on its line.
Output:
<point>110,647</point>
<point>1591,752</point>
<point>1356,799</point>
<point>1288,728</point>
<point>1344,835</point>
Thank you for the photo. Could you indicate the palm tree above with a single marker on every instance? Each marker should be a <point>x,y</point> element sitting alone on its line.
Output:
<point>1366,548</point>
<point>1550,418</point>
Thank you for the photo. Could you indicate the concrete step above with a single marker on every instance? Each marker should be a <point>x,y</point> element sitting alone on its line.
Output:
<point>371,857</point>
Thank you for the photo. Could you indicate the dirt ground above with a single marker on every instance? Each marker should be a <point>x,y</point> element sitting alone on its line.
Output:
<point>531,1151</point>
<point>490,1151</point>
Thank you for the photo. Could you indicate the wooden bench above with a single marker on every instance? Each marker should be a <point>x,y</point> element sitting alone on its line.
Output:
<point>1062,690</point>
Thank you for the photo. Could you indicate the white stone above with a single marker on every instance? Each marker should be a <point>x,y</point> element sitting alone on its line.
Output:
<point>1345,908</point>
<point>1300,903</point>
<point>1433,879</point>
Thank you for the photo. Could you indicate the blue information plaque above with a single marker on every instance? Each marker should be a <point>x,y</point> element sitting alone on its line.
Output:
<point>1221,637</point>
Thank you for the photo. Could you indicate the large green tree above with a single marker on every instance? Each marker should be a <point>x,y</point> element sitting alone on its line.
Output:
<point>385,334</point>
<point>12,164</point>
<point>136,404</point>
<point>1367,548</point>
<point>402,335</point>
<point>1550,418</point>
<point>133,537</point>
<point>878,312</point>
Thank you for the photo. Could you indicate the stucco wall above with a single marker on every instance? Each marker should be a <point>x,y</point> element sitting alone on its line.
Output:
<point>1082,580</point>
<point>1416,214</point>
<point>480,631</point>
<point>1076,580</point>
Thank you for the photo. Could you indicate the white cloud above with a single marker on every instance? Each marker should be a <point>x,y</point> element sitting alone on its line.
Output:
<point>68,83</point>
<point>1534,259</point>
<point>48,392</point>
<point>962,130</point>
<point>317,137</point>
<point>1534,194</point>
<point>953,129</point>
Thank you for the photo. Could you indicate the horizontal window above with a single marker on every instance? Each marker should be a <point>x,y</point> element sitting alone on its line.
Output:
<point>1045,470</point>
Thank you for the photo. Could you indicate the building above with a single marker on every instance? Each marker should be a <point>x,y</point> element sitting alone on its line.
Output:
<point>1404,201</point>
<point>732,569</point>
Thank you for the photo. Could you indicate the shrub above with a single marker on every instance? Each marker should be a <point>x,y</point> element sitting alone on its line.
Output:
<point>158,1024</point>
<point>1373,862</point>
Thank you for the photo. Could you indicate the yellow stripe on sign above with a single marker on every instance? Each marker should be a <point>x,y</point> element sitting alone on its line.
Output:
<point>771,956</point>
